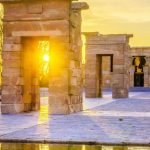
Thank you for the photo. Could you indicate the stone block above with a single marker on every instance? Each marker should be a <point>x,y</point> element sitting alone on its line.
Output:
<point>11,72</point>
<point>12,99</point>
<point>35,8</point>
<point>11,55</point>
<point>12,47</point>
<point>12,40</point>
<point>23,28</point>
<point>119,93</point>
<point>12,90</point>
<point>12,81</point>
<point>59,110</point>
<point>11,63</point>
<point>12,108</point>
<point>50,10</point>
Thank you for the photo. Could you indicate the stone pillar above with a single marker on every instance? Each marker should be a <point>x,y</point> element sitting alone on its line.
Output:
<point>26,23</point>
<point>148,62</point>
<point>12,81</point>
<point>90,79</point>
<point>121,74</point>
<point>146,79</point>
<point>66,78</point>
<point>132,70</point>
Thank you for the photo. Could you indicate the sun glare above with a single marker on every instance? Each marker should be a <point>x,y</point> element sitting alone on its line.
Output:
<point>46,57</point>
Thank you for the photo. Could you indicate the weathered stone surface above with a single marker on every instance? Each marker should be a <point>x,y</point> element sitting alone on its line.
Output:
<point>12,99</point>
<point>10,81</point>
<point>25,24</point>
<point>140,51</point>
<point>49,10</point>
<point>12,108</point>
<point>101,52</point>
<point>11,55</point>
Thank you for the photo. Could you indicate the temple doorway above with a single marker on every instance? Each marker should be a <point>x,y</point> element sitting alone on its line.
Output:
<point>139,80</point>
<point>139,63</point>
<point>36,71</point>
<point>104,74</point>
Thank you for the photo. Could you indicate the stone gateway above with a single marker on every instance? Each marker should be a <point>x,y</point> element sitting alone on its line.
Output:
<point>32,29</point>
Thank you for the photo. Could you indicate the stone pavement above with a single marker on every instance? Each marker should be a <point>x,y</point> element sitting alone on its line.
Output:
<point>103,121</point>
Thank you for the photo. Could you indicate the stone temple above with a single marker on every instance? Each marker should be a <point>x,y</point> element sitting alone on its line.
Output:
<point>112,63</point>
<point>36,30</point>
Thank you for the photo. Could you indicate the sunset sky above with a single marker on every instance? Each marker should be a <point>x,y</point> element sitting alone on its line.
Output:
<point>119,16</point>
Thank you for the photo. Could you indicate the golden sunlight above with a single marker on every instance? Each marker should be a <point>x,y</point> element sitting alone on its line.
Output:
<point>43,147</point>
<point>46,57</point>
<point>83,48</point>
<point>43,116</point>
<point>83,147</point>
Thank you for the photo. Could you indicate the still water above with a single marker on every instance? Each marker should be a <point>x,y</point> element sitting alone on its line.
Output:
<point>21,146</point>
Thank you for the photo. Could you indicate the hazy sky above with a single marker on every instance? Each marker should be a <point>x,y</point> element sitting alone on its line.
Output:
<point>119,16</point>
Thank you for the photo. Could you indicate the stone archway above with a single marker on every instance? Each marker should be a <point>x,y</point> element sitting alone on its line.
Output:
<point>32,21</point>
<point>118,47</point>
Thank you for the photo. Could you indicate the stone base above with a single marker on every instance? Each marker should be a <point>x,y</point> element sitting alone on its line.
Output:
<point>15,108</point>
<point>61,106</point>
<point>58,110</point>
<point>12,108</point>
<point>90,95</point>
<point>93,95</point>
<point>120,93</point>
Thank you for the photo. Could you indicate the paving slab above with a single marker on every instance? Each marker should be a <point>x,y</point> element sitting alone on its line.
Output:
<point>103,121</point>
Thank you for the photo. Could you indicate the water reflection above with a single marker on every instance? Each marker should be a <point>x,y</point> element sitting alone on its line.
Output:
<point>21,146</point>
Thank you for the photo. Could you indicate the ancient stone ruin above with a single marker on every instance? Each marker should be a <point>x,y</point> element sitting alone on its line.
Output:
<point>112,64</point>
<point>36,30</point>
<point>114,49</point>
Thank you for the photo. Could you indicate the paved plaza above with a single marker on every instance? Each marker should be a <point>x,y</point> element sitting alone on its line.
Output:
<point>103,120</point>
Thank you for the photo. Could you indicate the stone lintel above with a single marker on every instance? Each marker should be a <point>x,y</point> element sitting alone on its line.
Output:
<point>106,35</point>
<point>98,39</point>
<point>141,47</point>
<point>80,6</point>
<point>90,33</point>
<point>36,33</point>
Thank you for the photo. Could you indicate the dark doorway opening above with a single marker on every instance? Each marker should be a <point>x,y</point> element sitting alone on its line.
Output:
<point>104,63</point>
<point>139,80</point>
<point>139,62</point>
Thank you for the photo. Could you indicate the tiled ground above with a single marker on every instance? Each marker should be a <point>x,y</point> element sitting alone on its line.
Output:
<point>102,121</point>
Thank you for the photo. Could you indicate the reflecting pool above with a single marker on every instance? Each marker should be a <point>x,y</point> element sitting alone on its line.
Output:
<point>31,146</point>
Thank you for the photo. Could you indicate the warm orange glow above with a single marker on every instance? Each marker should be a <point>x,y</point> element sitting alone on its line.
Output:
<point>83,49</point>
<point>44,50</point>
<point>43,116</point>
<point>46,57</point>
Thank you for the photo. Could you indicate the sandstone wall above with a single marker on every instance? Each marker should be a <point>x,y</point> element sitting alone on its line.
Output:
<point>60,24</point>
<point>102,45</point>
<point>140,51</point>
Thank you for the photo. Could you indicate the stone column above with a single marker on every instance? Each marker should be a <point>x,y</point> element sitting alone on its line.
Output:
<point>12,81</point>
<point>145,69</point>
<point>91,71</point>
<point>120,79</point>
<point>132,70</point>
